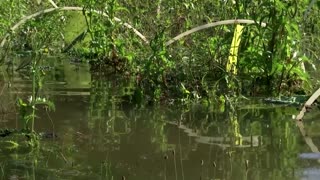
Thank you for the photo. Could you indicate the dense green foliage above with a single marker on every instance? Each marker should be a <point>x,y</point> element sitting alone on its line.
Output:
<point>129,70</point>
<point>271,59</point>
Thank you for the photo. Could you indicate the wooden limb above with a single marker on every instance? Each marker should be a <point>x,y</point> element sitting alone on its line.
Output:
<point>225,22</point>
<point>53,4</point>
<point>308,104</point>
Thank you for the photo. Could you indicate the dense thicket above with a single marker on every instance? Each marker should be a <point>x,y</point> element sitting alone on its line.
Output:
<point>271,59</point>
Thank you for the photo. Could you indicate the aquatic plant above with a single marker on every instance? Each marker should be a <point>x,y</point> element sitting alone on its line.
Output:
<point>27,109</point>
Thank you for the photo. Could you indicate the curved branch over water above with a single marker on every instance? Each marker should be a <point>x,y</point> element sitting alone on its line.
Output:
<point>308,104</point>
<point>225,22</point>
<point>25,19</point>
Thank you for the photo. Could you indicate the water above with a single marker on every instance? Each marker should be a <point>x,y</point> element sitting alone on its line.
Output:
<point>101,135</point>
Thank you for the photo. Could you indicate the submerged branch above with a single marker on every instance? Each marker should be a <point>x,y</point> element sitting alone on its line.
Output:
<point>25,19</point>
<point>225,22</point>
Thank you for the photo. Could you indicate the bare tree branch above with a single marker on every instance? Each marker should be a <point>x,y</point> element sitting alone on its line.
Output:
<point>25,19</point>
<point>53,4</point>
<point>225,22</point>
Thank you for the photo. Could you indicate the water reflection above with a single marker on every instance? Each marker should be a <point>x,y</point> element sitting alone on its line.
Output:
<point>102,134</point>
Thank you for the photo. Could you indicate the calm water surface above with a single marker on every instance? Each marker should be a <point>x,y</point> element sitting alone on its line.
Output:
<point>101,135</point>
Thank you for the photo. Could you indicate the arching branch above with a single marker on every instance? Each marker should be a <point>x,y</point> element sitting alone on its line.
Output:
<point>225,22</point>
<point>307,105</point>
<point>25,19</point>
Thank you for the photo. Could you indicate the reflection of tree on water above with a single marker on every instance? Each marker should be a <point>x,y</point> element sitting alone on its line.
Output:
<point>8,96</point>
<point>206,142</point>
<point>198,120</point>
<point>7,105</point>
<point>268,139</point>
<point>107,120</point>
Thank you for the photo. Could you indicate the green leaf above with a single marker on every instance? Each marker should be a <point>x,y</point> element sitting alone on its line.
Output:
<point>21,103</point>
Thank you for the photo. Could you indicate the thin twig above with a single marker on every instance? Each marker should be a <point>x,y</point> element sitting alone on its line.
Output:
<point>159,9</point>
<point>53,129</point>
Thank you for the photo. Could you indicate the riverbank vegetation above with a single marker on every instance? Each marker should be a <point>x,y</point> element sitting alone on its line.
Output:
<point>166,52</point>
<point>104,89</point>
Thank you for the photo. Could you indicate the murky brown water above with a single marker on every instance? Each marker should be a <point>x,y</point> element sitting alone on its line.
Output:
<point>101,137</point>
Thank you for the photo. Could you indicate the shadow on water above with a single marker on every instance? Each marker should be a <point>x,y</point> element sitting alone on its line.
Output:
<point>101,134</point>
